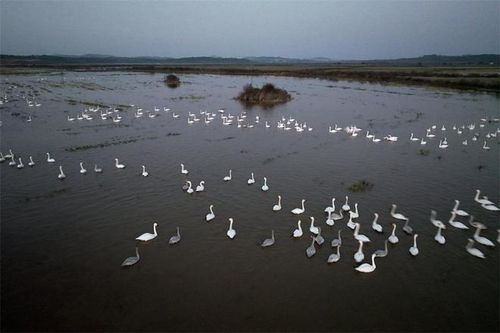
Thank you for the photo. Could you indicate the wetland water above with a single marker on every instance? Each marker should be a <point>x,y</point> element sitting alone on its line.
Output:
<point>62,242</point>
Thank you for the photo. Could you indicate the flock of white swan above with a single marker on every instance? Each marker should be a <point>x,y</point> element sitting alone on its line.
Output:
<point>344,212</point>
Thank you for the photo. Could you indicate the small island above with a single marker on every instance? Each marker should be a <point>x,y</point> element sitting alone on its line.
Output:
<point>267,95</point>
<point>172,80</point>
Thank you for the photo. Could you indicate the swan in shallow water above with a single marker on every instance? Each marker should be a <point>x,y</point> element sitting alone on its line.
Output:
<point>456,224</point>
<point>9,155</point>
<point>483,200</point>
<point>231,232</point>
<point>480,239</point>
<point>338,216</point>
<point>435,222</point>
<point>31,162</point>
<point>382,253</point>
<point>269,241</point>
<point>251,180</point>
<point>485,147</point>
<point>375,226</point>
<point>298,211</point>
<point>406,228</point>
<point>457,211</point>
<point>131,260</point>
<point>472,250</point>
<point>331,208</point>
<point>201,186</point>
<point>490,207</point>
<point>144,172</point>
<point>412,138</point>
<point>12,161</point>
<point>20,165</point>
<point>82,169</point>
<point>228,178</point>
<point>311,250</point>
<point>312,228</point>
<point>118,165</point>
<point>61,173</point>
<point>190,187</point>
<point>414,249</point>
<point>50,159</point>
<point>337,241</point>
<point>367,268</point>
<point>359,255</point>
<point>438,237</point>
<point>96,169</point>
<point>360,237</point>
<point>183,170</point>
<point>298,232</point>
<point>423,142</point>
<point>397,215</point>
<point>355,214</point>
<point>264,187</point>
<point>210,216</point>
<point>346,206</point>
<point>176,238</point>
<point>329,219</point>
<point>334,257</point>
<point>277,207</point>
<point>350,223</point>
<point>319,239</point>
<point>148,236</point>
<point>393,238</point>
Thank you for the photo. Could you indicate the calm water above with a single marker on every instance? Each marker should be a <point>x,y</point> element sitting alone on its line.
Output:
<point>62,242</point>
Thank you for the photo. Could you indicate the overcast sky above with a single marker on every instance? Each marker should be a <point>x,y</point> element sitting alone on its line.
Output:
<point>304,29</point>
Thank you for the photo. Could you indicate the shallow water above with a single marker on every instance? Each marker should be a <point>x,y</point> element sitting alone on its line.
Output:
<point>63,241</point>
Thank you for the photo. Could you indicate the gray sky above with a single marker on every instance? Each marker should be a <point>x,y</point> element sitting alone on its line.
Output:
<point>304,29</point>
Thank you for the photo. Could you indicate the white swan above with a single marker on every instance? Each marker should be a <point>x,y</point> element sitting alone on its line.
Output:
<point>20,165</point>
<point>480,239</point>
<point>61,173</point>
<point>490,207</point>
<point>313,228</point>
<point>231,232</point>
<point>298,211</point>
<point>414,249</point>
<point>472,250</point>
<point>2,158</point>
<point>131,260</point>
<point>228,178</point>
<point>176,238</point>
<point>183,170</point>
<point>412,138</point>
<point>456,224</point>
<point>277,207</point>
<point>148,236</point>
<point>338,216</point>
<point>346,206</point>
<point>31,162</point>
<point>264,187</point>
<point>350,223</point>
<point>210,216</point>
<point>269,241</point>
<point>485,147</point>
<point>201,186</point>
<point>439,238</point>
<point>10,154</point>
<point>144,172</point>
<point>367,268</point>
<point>82,169</point>
<point>298,232</point>
<point>435,222</point>
<point>360,237</point>
<point>331,208</point>
<point>190,188</point>
<point>442,145</point>
<point>50,159</point>
<point>329,219</point>
<point>118,165</point>
<point>337,241</point>
<point>457,211</point>
<point>311,250</point>
<point>355,214</point>
<point>359,255</point>
<point>251,180</point>
<point>319,239</point>
<point>12,161</point>
<point>382,253</point>
<point>423,142</point>
<point>375,226</point>
<point>393,238</point>
<point>334,257</point>
<point>376,140</point>
<point>483,200</point>
<point>397,215</point>
<point>407,228</point>
<point>96,169</point>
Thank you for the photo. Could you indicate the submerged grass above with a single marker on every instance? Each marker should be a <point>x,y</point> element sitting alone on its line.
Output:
<point>360,186</point>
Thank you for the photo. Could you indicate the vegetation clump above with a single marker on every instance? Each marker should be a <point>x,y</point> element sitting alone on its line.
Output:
<point>267,95</point>
<point>424,152</point>
<point>172,80</point>
<point>360,186</point>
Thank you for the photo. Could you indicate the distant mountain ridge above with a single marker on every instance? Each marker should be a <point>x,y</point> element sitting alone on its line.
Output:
<point>432,59</point>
